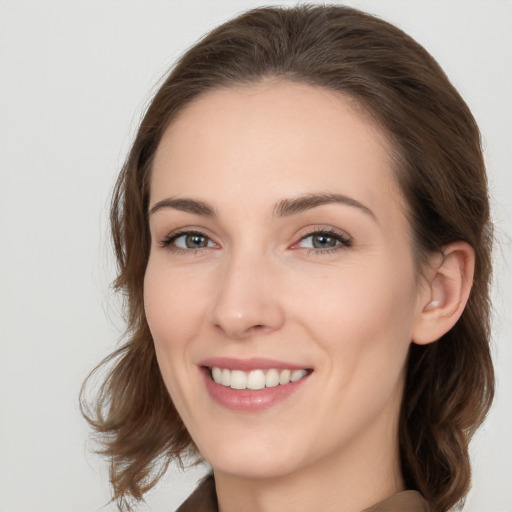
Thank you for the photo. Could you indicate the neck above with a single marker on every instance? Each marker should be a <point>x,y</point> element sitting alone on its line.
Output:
<point>367,472</point>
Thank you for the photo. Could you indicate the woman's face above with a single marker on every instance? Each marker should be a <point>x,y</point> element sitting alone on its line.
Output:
<point>280,250</point>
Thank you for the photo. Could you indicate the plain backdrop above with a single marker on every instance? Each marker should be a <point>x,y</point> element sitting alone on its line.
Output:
<point>75,77</point>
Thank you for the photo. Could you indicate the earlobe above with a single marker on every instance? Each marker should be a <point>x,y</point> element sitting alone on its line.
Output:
<point>448,284</point>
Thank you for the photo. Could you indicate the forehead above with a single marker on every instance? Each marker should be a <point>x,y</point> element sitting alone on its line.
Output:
<point>279,138</point>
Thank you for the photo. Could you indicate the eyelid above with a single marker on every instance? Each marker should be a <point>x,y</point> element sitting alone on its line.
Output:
<point>343,237</point>
<point>168,240</point>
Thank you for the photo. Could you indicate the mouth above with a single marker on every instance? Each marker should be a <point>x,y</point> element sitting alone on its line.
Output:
<point>252,385</point>
<point>256,379</point>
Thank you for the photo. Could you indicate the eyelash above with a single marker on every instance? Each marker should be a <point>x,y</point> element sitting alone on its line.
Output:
<point>345,241</point>
<point>168,242</point>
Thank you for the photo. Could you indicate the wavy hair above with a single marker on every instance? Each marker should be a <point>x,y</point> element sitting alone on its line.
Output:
<point>440,170</point>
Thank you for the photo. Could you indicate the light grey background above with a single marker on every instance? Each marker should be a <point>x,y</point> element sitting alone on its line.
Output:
<point>74,79</point>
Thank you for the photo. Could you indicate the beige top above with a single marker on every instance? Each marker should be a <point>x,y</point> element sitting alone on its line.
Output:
<point>204,499</point>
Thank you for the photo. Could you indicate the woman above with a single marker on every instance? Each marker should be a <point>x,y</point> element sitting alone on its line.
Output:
<point>303,236</point>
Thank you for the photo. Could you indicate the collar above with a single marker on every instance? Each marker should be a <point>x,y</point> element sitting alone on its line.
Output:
<point>204,499</point>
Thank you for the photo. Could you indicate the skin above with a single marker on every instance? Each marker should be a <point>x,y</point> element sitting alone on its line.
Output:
<point>259,289</point>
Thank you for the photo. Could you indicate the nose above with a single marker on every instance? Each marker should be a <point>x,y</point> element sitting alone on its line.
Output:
<point>249,299</point>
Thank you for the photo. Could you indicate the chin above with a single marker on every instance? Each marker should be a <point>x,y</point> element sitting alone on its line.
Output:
<point>252,459</point>
<point>253,468</point>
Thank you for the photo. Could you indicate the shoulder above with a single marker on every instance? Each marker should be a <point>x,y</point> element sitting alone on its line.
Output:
<point>203,499</point>
<point>406,501</point>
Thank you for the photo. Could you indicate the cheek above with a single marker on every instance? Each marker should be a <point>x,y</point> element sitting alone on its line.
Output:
<point>362,323</point>
<point>361,310</point>
<point>174,303</point>
<point>174,307</point>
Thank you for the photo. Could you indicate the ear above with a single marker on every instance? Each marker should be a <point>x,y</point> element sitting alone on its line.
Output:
<point>447,286</point>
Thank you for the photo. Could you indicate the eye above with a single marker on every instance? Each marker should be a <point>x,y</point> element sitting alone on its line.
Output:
<point>189,240</point>
<point>324,240</point>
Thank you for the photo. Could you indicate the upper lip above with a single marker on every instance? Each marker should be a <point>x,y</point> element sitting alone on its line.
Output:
<point>255,363</point>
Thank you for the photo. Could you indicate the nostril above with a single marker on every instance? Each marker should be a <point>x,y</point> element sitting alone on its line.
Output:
<point>259,328</point>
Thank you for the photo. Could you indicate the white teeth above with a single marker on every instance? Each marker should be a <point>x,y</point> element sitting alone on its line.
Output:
<point>297,374</point>
<point>272,378</point>
<point>255,379</point>
<point>238,379</point>
<point>226,378</point>
<point>217,375</point>
<point>284,377</point>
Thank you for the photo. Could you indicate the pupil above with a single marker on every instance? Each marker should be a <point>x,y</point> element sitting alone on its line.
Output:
<point>194,241</point>
<point>323,241</point>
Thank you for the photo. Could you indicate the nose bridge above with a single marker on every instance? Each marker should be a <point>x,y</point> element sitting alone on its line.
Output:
<point>247,301</point>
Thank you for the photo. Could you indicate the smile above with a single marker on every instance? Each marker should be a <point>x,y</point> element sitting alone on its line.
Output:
<point>252,385</point>
<point>255,379</point>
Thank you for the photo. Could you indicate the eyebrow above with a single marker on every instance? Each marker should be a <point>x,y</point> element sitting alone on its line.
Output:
<point>283,208</point>
<point>185,205</point>
<point>300,204</point>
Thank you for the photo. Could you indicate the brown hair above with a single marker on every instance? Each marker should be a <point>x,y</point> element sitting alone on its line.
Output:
<point>440,170</point>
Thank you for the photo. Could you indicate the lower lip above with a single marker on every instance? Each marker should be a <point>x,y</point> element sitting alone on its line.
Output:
<point>247,400</point>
